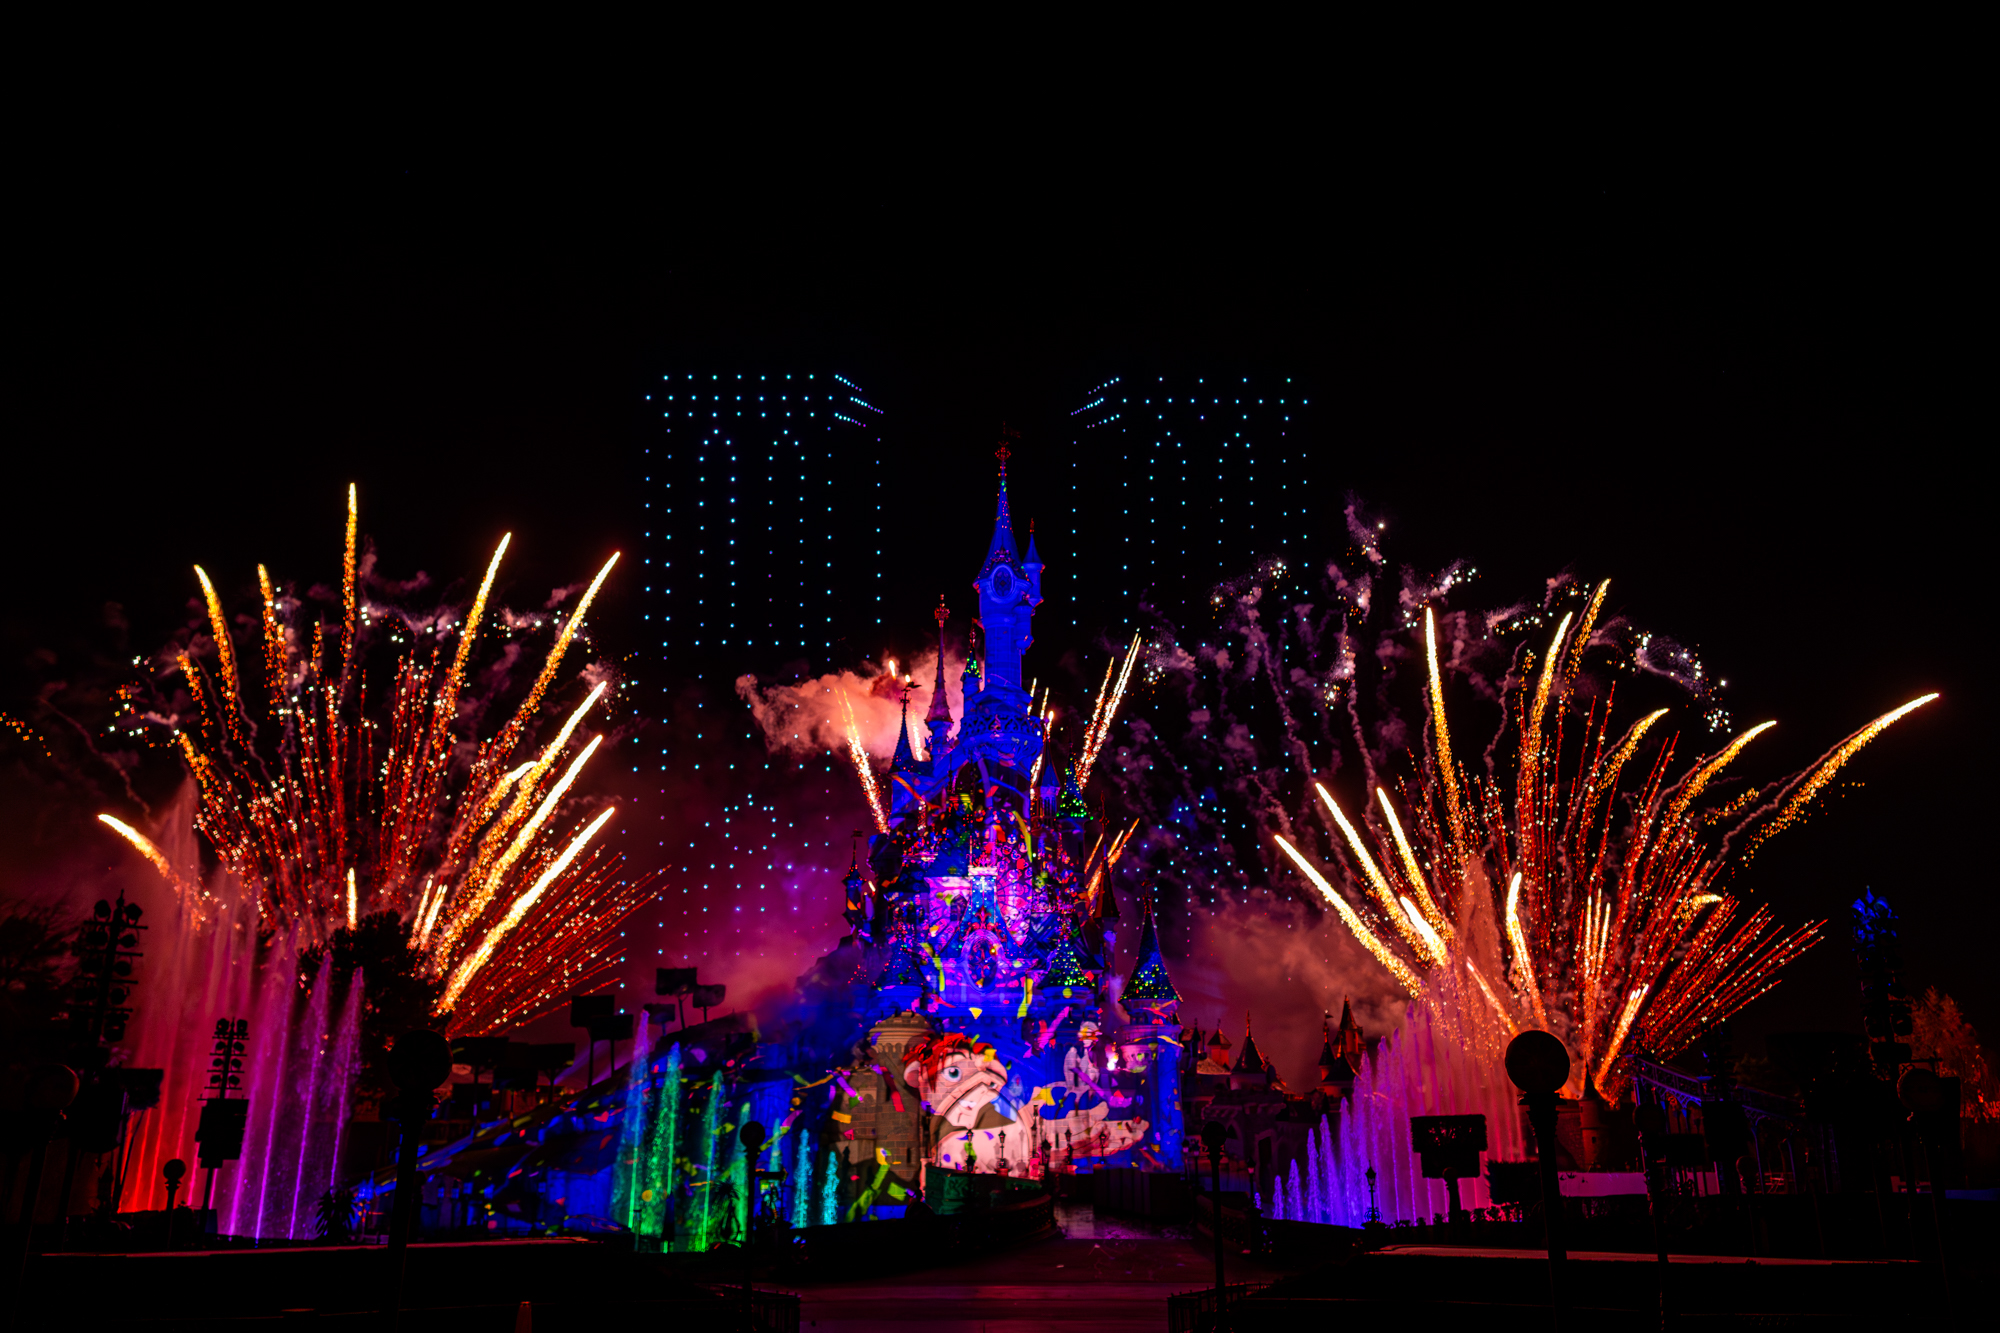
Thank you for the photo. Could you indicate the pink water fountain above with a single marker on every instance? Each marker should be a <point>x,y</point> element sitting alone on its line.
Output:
<point>1446,1059</point>
<point>206,962</point>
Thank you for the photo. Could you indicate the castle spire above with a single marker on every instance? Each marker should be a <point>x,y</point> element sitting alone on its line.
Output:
<point>1348,1042</point>
<point>1149,995</point>
<point>1009,592</point>
<point>1001,552</point>
<point>939,717</point>
<point>1251,1059</point>
<point>906,754</point>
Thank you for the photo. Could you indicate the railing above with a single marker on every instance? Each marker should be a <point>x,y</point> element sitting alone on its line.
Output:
<point>1693,1088</point>
<point>1187,1311</point>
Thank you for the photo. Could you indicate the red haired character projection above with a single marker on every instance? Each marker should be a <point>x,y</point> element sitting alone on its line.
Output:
<point>961,1081</point>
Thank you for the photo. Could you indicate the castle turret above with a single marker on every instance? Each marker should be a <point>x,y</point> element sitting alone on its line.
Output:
<point>905,769</point>
<point>1218,1049</point>
<point>1348,1043</point>
<point>1251,1070</point>
<point>1149,995</point>
<point>1009,591</point>
<point>1336,1075</point>
<point>938,719</point>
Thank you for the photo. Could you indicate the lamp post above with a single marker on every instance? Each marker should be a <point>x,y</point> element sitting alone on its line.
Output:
<point>418,1063</point>
<point>1212,1136</point>
<point>174,1169</point>
<point>751,1136</point>
<point>1538,1064</point>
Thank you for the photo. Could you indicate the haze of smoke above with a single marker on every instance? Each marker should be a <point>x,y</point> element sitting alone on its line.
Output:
<point>1290,974</point>
<point>807,718</point>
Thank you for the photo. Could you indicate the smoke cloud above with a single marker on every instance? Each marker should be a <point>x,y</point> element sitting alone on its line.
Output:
<point>808,718</point>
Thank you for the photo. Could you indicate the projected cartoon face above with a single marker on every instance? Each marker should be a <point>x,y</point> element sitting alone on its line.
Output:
<point>959,1078</point>
<point>955,1076</point>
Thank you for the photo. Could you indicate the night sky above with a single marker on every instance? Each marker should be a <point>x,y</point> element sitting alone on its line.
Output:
<point>1731,387</point>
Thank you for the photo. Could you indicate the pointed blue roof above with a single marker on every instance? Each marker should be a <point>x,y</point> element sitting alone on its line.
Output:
<point>1069,965</point>
<point>1001,552</point>
<point>1149,980</point>
<point>906,755</point>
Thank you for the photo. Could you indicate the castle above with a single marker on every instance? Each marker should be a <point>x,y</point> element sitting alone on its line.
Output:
<point>981,932</point>
<point>983,929</point>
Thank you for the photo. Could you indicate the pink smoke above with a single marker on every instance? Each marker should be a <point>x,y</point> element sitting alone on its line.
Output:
<point>807,718</point>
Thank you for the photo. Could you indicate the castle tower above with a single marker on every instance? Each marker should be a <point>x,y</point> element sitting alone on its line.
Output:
<point>1251,1070</point>
<point>987,918</point>
<point>1336,1075</point>
<point>1010,589</point>
<point>1348,1042</point>
<point>938,719</point>
<point>1149,995</point>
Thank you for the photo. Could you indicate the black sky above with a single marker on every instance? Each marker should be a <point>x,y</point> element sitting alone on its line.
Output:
<point>1735,382</point>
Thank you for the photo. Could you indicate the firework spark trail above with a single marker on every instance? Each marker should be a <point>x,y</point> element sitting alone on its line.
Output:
<point>1384,955</point>
<point>454,680</point>
<point>1698,781</point>
<point>503,744</point>
<point>487,887</point>
<point>353,806</point>
<point>866,772</point>
<point>1385,896</point>
<point>226,652</point>
<point>421,911</point>
<point>350,591</point>
<point>1613,946</point>
<point>466,970</point>
<point>1433,943</point>
<point>274,645</point>
<point>1618,1035</point>
<point>1531,748</point>
<point>1796,798</point>
<point>1513,1028</point>
<point>480,880</point>
<point>1438,920</point>
<point>151,852</point>
<point>1100,729</point>
<point>1582,639</point>
<point>1524,967</point>
<point>1035,774</point>
<point>1097,707</point>
<point>431,916</point>
<point>1441,743</point>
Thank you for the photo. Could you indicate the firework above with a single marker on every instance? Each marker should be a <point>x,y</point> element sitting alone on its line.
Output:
<point>1613,938</point>
<point>274,645</point>
<point>225,653</point>
<point>149,851</point>
<point>355,803</point>
<point>1109,696</point>
<point>464,973</point>
<point>1405,977</point>
<point>1797,796</point>
<point>869,787</point>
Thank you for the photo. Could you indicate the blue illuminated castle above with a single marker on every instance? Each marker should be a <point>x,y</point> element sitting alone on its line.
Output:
<point>983,933</point>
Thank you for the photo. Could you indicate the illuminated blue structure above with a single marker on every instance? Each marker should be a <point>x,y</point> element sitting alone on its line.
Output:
<point>987,952</point>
